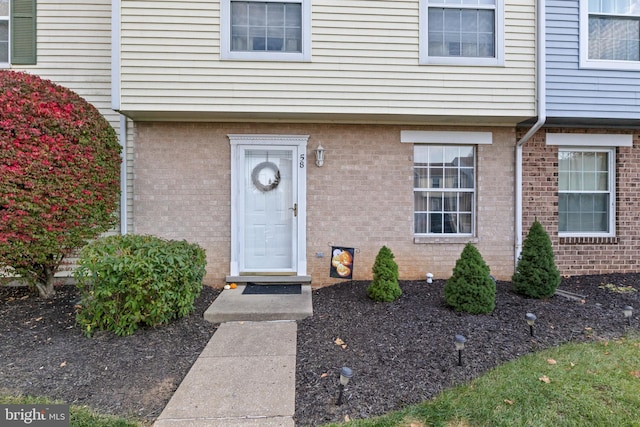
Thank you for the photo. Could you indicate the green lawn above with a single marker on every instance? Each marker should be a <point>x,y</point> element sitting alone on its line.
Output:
<point>595,384</point>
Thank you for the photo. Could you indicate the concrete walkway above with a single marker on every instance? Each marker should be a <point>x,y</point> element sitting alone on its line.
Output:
<point>245,376</point>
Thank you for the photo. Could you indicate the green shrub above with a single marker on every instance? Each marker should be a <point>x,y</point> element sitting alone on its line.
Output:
<point>125,281</point>
<point>471,289</point>
<point>536,274</point>
<point>385,286</point>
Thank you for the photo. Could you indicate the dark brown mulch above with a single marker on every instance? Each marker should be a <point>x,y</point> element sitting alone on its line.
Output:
<point>401,352</point>
<point>44,353</point>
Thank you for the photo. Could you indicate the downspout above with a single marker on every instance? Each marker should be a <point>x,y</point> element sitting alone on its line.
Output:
<point>541,106</point>
<point>115,105</point>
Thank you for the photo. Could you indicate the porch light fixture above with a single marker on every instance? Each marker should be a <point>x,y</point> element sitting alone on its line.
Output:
<point>531,320</point>
<point>345,376</point>
<point>320,156</point>
<point>628,312</point>
<point>459,341</point>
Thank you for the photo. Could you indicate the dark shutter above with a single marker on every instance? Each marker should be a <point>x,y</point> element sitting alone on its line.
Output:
<point>23,32</point>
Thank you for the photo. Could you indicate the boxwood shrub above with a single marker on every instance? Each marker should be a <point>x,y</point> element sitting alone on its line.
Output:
<point>132,280</point>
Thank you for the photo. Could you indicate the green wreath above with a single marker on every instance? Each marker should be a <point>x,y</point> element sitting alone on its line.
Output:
<point>255,176</point>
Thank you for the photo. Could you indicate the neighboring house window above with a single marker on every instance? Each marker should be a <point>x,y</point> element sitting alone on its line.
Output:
<point>266,30</point>
<point>444,189</point>
<point>610,34</point>
<point>4,31</point>
<point>586,193</point>
<point>465,32</point>
<point>17,32</point>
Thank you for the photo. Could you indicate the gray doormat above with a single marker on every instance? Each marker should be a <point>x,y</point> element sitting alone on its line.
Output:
<point>258,289</point>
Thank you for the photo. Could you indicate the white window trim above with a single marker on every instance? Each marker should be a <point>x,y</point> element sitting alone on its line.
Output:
<point>600,64</point>
<point>425,59</point>
<point>612,190</point>
<point>225,36</point>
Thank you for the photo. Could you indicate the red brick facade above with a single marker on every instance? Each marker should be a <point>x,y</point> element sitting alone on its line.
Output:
<point>588,255</point>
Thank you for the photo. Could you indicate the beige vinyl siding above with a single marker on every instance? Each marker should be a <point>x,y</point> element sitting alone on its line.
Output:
<point>74,50</point>
<point>364,62</point>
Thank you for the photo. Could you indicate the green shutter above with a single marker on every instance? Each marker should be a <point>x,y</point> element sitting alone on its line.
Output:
<point>23,32</point>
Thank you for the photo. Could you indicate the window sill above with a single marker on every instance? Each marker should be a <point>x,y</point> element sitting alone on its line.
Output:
<point>589,240</point>
<point>444,240</point>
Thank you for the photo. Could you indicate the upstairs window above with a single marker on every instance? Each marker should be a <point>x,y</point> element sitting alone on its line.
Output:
<point>444,189</point>
<point>465,32</point>
<point>266,30</point>
<point>17,32</point>
<point>4,31</point>
<point>586,193</point>
<point>610,34</point>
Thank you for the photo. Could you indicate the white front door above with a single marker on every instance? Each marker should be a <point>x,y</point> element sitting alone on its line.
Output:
<point>268,207</point>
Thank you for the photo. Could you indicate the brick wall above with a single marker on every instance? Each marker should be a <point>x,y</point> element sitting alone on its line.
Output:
<point>575,256</point>
<point>362,197</point>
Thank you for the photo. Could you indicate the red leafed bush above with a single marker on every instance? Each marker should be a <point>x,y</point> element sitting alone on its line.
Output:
<point>59,176</point>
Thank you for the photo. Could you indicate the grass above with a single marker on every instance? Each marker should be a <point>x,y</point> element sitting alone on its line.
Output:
<point>592,384</point>
<point>80,416</point>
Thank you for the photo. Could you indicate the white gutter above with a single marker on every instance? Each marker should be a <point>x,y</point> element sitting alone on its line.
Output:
<point>115,105</point>
<point>541,105</point>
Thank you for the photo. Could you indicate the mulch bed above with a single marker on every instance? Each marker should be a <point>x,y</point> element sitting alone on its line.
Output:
<point>401,353</point>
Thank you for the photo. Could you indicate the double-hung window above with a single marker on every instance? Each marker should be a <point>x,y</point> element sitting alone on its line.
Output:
<point>586,191</point>
<point>465,32</point>
<point>610,34</point>
<point>17,32</point>
<point>444,189</point>
<point>4,31</point>
<point>266,30</point>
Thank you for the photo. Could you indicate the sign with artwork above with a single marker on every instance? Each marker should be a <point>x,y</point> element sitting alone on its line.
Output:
<point>341,262</point>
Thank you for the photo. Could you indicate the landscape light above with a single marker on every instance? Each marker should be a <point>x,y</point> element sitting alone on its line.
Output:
<point>531,320</point>
<point>459,341</point>
<point>345,376</point>
<point>628,312</point>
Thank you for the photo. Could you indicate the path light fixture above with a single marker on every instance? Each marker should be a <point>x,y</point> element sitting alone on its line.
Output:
<point>531,320</point>
<point>628,312</point>
<point>345,376</point>
<point>320,155</point>
<point>459,341</point>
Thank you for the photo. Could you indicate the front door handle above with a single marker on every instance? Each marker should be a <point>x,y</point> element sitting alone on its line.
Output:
<point>295,209</point>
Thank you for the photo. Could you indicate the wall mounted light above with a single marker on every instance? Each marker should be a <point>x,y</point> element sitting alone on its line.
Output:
<point>628,312</point>
<point>320,156</point>
<point>531,320</point>
<point>345,376</point>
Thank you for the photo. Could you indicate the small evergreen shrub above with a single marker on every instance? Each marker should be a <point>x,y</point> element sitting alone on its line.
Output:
<point>470,288</point>
<point>385,286</point>
<point>126,281</point>
<point>536,274</point>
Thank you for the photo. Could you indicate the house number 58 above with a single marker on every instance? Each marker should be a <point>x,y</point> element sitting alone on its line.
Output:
<point>301,161</point>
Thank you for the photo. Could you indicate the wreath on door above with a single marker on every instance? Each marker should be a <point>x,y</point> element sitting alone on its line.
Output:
<point>272,183</point>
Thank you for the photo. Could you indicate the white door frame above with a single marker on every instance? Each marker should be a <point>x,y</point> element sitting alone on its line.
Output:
<point>299,141</point>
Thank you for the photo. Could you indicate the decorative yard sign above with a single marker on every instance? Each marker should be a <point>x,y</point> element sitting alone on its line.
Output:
<point>341,262</point>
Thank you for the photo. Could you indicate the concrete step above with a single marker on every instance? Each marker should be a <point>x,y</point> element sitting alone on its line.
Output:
<point>234,306</point>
